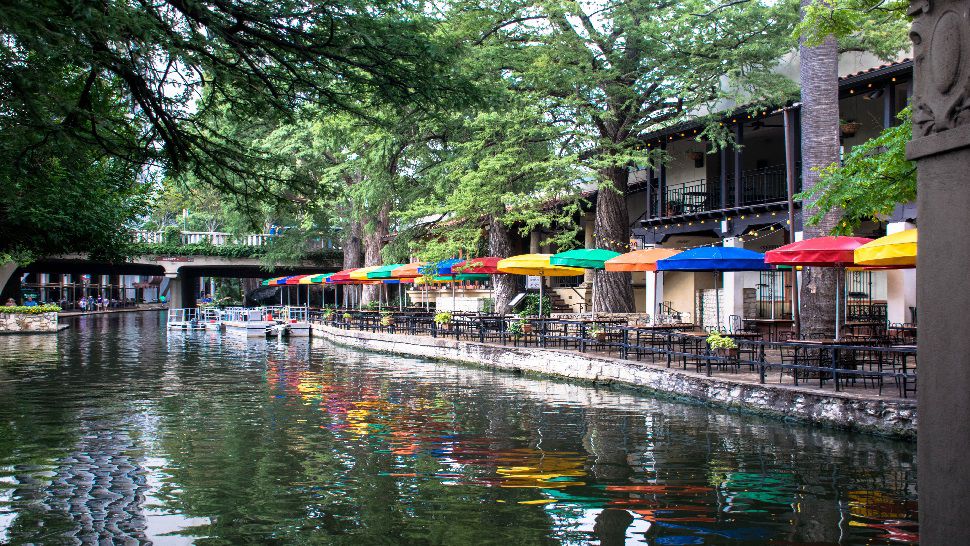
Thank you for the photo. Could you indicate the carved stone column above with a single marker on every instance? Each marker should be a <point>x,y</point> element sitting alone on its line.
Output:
<point>941,149</point>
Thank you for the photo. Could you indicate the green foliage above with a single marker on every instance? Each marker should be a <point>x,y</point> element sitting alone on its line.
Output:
<point>877,26</point>
<point>717,341</point>
<point>442,317</point>
<point>874,178</point>
<point>487,306</point>
<point>32,310</point>
<point>517,328</point>
<point>531,307</point>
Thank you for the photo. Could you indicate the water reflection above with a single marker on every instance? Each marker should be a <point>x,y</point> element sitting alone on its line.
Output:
<point>116,431</point>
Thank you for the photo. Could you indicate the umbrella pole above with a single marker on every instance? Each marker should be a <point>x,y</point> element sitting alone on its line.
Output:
<point>717,304</point>
<point>540,297</point>
<point>838,304</point>
<point>453,294</point>
<point>646,297</point>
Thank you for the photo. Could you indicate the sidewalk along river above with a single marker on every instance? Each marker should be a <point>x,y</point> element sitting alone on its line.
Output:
<point>117,430</point>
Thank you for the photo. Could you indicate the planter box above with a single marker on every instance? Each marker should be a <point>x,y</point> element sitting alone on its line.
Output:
<point>21,323</point>
<point>728,353</point>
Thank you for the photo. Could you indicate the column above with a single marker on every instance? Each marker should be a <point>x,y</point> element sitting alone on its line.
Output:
<point>662,186</point>
<point>649,212</point>
<point>941,149</point>
<point>900,284</point>
<point>723,177</point>
<point>732,299</point>
<point>738,162</point>
<point>174,292</point>
<point>655,293</point>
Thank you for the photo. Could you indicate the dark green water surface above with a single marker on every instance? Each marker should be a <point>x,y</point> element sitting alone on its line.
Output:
<point>118,432</point>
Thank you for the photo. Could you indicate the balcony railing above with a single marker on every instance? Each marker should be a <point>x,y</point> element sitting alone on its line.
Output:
<point>219,238</point>
<point>758,187</point>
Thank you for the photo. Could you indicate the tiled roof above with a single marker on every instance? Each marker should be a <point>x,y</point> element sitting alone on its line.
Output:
<point>902,63</point>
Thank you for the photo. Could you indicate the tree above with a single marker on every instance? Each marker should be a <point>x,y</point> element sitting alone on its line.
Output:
<point>873,179</point>
<point>873,25</point>
<point>133,82</point>
<point>819,74</point>
<point>618,70</point>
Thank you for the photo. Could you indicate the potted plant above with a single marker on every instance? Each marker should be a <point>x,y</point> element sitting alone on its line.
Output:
<point>347,317</point>
<point>443,320</point>
<point>518,328</point>
<point>596,332</point>
<point>524,325</point>
<point>387,319</point>
<point>722,346</point>
<point>328,314</point>
<point>849,128</point>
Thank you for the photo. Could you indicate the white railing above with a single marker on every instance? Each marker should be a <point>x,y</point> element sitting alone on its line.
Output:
<point>220,238</point>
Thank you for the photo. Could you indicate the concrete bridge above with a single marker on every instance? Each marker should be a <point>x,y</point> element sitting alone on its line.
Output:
<point>180,271</point>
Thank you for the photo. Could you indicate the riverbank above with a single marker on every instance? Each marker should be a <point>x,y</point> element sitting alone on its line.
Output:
<point>865,412</point>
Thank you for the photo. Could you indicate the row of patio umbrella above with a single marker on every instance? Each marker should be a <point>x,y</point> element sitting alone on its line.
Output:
<point>893,251</point>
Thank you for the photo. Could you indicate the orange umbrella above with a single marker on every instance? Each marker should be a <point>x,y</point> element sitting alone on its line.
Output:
<point>642,260</point>
<point>409,271</point>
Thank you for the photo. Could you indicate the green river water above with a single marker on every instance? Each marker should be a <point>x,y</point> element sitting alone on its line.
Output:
<point>118,432</point>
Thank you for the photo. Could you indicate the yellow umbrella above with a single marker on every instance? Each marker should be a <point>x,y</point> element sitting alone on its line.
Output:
<point>538,265</point>
<point>361,274</point>
<point>892,251</point>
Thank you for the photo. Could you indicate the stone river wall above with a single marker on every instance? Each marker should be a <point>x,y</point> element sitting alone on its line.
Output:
<point>884,416</point>
<point>16,323</point>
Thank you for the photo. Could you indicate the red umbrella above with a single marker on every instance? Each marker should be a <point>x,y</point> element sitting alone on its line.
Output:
<point>487,265</point>
<point>342,276</point>
<point>831,251</point>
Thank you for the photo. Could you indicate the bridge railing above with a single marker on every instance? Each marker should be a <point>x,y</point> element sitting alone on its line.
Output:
<point>221,238</point>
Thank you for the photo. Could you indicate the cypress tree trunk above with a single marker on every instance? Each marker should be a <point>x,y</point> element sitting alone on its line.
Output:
<point>353,248</point>
<point>500,244</point>
<point>374,241</point>
<point>614,291</point>
<point>819,73</point>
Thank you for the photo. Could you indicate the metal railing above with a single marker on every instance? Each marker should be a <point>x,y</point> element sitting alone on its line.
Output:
<point>758,186</point>
<point>219,238</point>
<point>798,362</point>
<point>693,197</point>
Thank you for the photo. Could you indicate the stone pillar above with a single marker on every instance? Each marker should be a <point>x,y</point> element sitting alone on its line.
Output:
<point>534,238</point>
<point>174,292</point>
<point>733,291</point>
<point>941,149</point>
<point>900,284</point>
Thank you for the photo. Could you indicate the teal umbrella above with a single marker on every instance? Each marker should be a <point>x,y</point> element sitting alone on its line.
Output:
<point>587,258</point>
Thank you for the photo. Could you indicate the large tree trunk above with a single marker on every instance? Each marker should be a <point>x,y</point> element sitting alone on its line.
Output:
<point>500,244</point>
<point>374,240</point>
<point>614,291</point>
<point>820,148</point>
<point>353,248</point>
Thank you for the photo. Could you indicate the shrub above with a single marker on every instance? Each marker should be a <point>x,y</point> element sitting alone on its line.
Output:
<point>717,341</point>
<point>33,310</point>
<point>442,318</point>
<point>531,308</point>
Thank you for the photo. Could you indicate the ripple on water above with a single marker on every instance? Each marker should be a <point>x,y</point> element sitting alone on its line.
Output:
<point>118,431</point>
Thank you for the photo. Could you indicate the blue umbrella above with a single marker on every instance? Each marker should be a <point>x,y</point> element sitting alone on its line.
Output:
<point>443,268</point>
<point>716,259</point>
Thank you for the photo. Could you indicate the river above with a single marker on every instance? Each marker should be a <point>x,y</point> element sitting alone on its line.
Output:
<point>116,430</point>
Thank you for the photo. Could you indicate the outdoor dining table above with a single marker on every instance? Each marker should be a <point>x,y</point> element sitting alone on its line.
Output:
<point>774,326</point>
<point>867,327</point>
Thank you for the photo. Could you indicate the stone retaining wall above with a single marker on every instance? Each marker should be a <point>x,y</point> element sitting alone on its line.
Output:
<point>21,323</point>
<point>892,417</point>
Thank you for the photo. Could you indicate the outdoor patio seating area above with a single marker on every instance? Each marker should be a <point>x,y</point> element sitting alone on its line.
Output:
<point>868,367</point>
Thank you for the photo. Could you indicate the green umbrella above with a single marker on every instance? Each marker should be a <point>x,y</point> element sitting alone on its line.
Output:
<point>587,258</point>
<point>383,272</point>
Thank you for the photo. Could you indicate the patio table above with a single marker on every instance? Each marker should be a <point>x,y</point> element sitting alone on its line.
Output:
<point>773,325</point>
